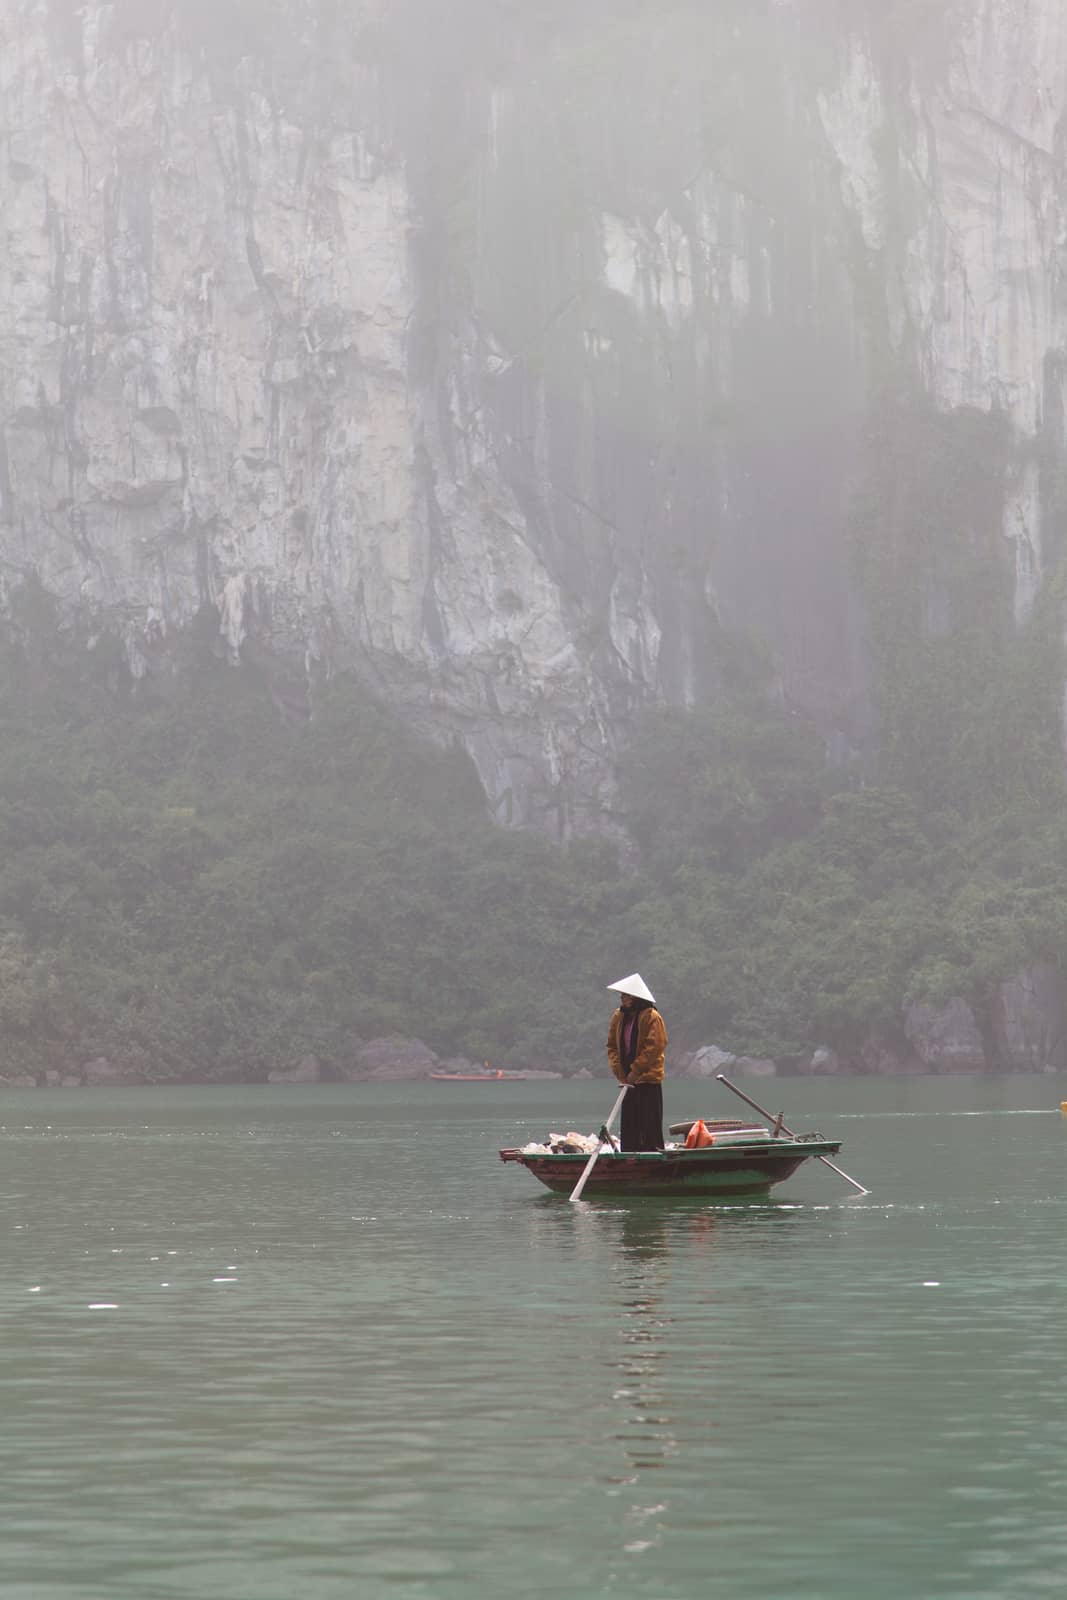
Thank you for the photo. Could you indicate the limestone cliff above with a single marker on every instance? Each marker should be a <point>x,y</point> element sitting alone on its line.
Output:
<point>508,354</point>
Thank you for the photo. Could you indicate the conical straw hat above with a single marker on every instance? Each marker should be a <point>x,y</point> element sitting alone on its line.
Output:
<point>634,985</point>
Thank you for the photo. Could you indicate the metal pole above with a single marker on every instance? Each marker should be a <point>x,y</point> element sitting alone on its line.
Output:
<point>783,1129</point>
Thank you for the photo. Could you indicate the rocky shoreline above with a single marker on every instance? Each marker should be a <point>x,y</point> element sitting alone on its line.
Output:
<point>392,1060</point>
<point>932,1041</point>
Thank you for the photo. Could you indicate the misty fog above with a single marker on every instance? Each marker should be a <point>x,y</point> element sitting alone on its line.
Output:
<point>495,494</point>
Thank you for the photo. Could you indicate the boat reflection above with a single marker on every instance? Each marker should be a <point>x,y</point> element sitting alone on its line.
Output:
<point>643,1232</point>
<point>646,1427</point>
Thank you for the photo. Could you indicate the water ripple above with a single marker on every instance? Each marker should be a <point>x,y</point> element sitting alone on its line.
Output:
<point>263,1347</point>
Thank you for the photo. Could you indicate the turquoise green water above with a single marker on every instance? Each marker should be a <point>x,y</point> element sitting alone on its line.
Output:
<point>338,1349</point>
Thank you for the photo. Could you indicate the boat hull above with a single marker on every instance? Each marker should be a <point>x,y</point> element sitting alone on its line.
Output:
<point>737,1172</point>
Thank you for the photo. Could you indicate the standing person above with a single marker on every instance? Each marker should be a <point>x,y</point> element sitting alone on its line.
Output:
<point>637,1041</point>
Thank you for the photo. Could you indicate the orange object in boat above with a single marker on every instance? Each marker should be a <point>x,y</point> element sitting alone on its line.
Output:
<point>698,1136</point>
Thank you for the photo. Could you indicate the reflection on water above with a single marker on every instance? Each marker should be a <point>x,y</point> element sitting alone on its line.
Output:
<point>646,1432</point>
<point>644,1426</point>
<point>346,1353</point>
<point>643,1235</point>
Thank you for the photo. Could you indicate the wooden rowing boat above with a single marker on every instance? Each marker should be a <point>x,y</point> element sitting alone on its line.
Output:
<point>744,1163</point>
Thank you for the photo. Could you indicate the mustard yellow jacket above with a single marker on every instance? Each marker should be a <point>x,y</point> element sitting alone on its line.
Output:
<point>651,1046</point>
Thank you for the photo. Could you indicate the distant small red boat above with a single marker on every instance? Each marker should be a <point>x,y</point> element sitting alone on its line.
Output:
<point>476,1077</point>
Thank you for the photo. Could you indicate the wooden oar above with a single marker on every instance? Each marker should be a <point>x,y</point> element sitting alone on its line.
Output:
<point>780,1127</point>
<point>576,1193</point>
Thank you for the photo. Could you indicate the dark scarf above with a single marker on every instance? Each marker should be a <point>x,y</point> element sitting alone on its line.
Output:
<point>628,1025</point>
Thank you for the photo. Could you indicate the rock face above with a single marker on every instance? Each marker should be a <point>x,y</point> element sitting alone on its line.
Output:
<point>1031,1028</point>
<point>306,1070</point>
<point>505,359</point>
<point>103,1074</point>
<point>945,1038</point>
<point>1025,1031</point>
<point>706,1062</point>
<point>392,1059</point>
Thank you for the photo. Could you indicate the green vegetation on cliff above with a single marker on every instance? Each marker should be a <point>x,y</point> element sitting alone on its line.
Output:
<point>191,884</point>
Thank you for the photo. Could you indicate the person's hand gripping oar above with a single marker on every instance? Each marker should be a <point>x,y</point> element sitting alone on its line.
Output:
<point>605,1132</point>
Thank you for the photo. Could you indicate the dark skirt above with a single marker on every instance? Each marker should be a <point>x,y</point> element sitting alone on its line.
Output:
<point>642,1117</point>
